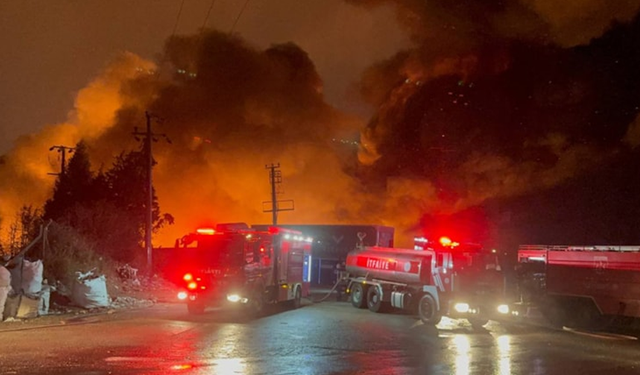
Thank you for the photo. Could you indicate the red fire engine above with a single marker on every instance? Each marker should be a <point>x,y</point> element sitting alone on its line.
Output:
<point>434,279</point>
<point>581,286</point>
<point>233,265</point>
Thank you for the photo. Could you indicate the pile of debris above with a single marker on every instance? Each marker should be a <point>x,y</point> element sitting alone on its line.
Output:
<point>25,294</point>
<point>142,288</point>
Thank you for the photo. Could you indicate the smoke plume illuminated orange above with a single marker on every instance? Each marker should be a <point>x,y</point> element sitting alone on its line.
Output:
<point>479,108</point>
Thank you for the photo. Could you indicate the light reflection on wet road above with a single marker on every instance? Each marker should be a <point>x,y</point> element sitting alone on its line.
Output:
<point>327,338</point>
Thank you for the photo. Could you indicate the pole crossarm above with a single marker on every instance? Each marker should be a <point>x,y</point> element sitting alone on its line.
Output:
<point>275,179</point>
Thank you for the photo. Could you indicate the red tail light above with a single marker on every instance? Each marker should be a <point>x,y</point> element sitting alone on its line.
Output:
<point>187,277</point>
<point>192,285</point>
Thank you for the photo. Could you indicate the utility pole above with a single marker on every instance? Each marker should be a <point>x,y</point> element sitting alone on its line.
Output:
<point>62,150</point>
<point>275,178</point>
<point>148,137</point>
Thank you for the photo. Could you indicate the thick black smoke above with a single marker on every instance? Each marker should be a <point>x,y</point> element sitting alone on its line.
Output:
<point>503,100</point>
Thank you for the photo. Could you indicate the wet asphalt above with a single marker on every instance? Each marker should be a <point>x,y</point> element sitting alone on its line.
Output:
<point>319,338</point>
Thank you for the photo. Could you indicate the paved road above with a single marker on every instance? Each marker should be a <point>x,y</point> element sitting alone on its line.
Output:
<point>323,338</point>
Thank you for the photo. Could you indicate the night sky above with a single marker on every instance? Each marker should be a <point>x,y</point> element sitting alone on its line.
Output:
<point>53,49</point>
<point>505,122</point>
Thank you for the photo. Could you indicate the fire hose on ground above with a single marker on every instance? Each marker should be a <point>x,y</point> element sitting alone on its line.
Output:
<point>340,280</point>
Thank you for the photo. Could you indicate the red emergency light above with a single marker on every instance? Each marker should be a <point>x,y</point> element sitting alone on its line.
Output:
<point>446,241</point>
<point>274,230</point>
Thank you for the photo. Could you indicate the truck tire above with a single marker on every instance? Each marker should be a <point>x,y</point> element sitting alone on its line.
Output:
<point>428,310</point>
<point>374,299</point>
<point>195,308</point>
<point>357,296</point>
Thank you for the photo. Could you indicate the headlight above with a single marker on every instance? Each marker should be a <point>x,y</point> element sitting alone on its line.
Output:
<point>503,309</point>
<point>233,298</point>
<point>182,295</point>
<point>461,307</point>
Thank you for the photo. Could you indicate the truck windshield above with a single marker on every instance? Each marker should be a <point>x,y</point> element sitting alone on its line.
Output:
<point>218,251</point>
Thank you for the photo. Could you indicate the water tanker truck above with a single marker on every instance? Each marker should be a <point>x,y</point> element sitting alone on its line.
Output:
<point>435,279</point>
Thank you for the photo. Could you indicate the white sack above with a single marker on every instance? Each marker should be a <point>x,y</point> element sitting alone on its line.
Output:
<point>90,293</point>
<point>5,277</point>
<point>5,287</point>
<point>32,277</point>
<point>4,292</point>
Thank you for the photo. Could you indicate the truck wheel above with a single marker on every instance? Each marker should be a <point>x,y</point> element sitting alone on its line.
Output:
<point>195,308</point>
<point>357,296</point>
<point>297,299</point>
<point>477,323</point>
<point>428,310</point>
<point>374,299</point>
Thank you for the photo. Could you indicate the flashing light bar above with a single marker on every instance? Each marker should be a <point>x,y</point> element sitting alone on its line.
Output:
<point>420,242</point>
<point>208,231</point>
<point>446,241</point>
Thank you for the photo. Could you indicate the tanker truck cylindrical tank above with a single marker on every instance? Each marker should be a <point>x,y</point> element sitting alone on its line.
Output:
<point>395,265</point>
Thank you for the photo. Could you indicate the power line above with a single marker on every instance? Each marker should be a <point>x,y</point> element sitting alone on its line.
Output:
<point>204,24</point>
<point>173,33</point>
<point>175,26</point>
<point>238,18</point>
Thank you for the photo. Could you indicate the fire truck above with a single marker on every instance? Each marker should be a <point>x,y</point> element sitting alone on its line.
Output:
<point>234,266</point>
<point>595,287</point>
<point>435,279</point>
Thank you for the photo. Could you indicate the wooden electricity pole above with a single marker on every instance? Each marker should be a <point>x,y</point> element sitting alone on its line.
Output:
<point>147,137</point>
<point>275,178</point>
